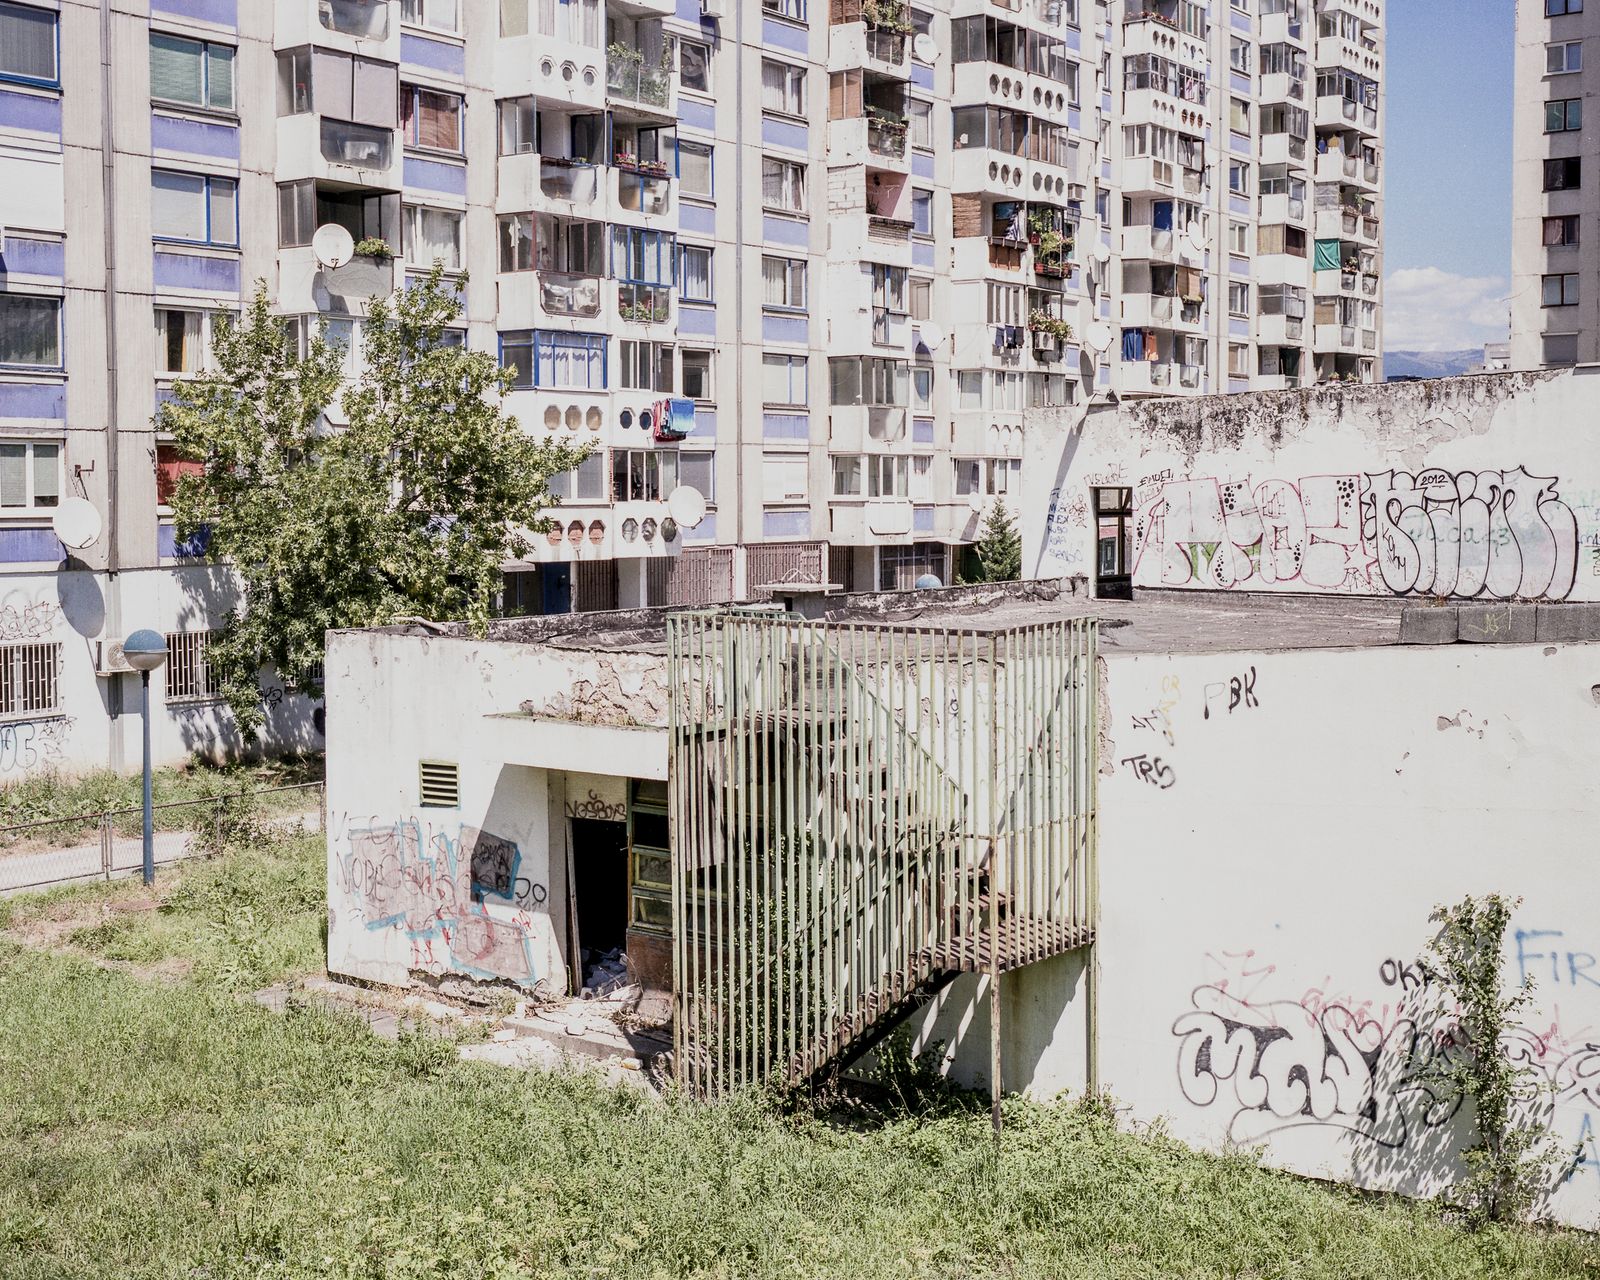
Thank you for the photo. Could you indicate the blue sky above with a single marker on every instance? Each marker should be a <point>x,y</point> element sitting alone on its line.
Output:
<point>1447,197</point>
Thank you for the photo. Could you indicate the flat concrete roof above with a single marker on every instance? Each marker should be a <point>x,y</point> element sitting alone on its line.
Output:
<point>1152,622</point>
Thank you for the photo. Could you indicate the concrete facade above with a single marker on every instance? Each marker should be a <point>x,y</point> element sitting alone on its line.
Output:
<point>1482,489</point>
<point>1555,256</point>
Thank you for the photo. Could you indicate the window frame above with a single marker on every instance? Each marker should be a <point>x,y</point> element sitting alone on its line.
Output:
<point>1576,168</point>
<point>61,335</point>
<point>790,273</point>
<point>205,47</point>
<point>705,62</point>
<point>539,340</point>
<point>425,25</point>
<point>790,363</point>
<point>788,10</point>
<point>406,212</point>
<point>32,509</point>
<point>208,319</point>
<point>698,148</point>
<point>207,180</point>
<point>793,74</point>
<point>1568,221</point>
<point>15,659</point>
<point>1566,47</point>
<point>1561,8</point>
<point>52,82</point>
<point>187,649</point>
<point>795,181</point>
<point>1571,113</point>
<point>710,295</point>
<point>411,98</point>
<point>1568,289</point>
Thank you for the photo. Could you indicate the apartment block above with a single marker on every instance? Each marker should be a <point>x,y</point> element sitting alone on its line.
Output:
<point>806,264</point>
<point>1555,249</point>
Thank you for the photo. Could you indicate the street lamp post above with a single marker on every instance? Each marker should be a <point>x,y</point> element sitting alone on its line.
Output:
<point>145,651</point>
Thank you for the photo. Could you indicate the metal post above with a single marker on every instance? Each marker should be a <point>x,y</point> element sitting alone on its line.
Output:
<point>149,824</point>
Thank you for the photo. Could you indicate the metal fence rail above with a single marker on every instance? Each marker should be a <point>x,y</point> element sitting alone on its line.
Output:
<point>859,813</point>
<point>110,845</point>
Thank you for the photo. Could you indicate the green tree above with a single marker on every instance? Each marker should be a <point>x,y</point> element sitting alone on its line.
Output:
<point>999,547</point>
<point>408,509</point>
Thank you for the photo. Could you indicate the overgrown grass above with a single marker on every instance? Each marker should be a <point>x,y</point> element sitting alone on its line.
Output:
<point>173,1129</point>
<point>50,798</point>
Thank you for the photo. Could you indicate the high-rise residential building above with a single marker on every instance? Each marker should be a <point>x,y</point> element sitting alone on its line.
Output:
<point>813,260</point>
<point>1555,205</point>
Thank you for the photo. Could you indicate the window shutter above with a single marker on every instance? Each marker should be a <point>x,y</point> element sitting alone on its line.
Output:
<point>331,82</point>
<point>376,94</point>
<point>219,77</point>
<point>175,69</point>
<point>177,205</point>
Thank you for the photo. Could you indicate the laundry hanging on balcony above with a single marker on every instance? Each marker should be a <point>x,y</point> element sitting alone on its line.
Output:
<point>1327,256</point>
<point>672,419</point>
<point>1139,344</point>
<point>1161,215</point>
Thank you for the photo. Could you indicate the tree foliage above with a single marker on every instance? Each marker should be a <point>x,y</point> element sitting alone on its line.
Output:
<point>409,508</point>
<point>999,547</point>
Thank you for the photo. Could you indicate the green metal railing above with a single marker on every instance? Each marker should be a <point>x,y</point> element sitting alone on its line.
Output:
<point>859,811</point>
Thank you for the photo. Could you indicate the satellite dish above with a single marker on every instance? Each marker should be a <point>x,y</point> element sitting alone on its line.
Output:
<point>686,505</point>
<point>928,582</point>
<point>1102,254</point>
<point>1100,335</point>
<point>932,335</point>
<point>77,523</point>
<point>333,245</point>
<point>926,47</point>
<point>975,501</point>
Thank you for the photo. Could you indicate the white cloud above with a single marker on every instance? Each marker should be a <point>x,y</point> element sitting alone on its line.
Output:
<point>1426,309</point>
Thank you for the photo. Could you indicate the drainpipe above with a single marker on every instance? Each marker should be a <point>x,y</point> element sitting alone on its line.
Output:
<point>738,274</point>
<point>108,179</point>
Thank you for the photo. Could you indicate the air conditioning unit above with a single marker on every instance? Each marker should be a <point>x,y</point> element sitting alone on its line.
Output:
<point>717,9</point>
<point>108,659</point>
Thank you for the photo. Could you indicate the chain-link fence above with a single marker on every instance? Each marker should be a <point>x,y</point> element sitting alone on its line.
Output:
<point>110,845</point>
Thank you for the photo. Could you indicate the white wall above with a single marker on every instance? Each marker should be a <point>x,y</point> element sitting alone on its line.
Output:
<point>1270,851</point>
<point>81,609</point>
<point>478,890</point>
<point>1485,488</point>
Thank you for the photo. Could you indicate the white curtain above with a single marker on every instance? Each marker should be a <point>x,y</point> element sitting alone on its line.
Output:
<point>178,205</point>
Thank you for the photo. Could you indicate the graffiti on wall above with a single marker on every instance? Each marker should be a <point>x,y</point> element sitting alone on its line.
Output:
<point>1492,534</point>
<point>462,900</point>
<point>33,744</point>
<point>1364,1068</point>
<point>25,615</point>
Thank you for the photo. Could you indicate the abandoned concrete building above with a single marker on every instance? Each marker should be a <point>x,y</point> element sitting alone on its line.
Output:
<point>1180,845</point>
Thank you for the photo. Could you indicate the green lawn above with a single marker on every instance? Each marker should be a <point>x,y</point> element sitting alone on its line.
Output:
<point>157,1124</point>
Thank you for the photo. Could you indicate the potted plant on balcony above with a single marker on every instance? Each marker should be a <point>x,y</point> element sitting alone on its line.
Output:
<point>374,247</point>
<point>1040,321</point>
<point>888,15</point>
<point>1040,221</point>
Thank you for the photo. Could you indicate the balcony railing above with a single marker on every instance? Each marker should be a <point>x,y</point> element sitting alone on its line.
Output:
<point>886,136</point>
<point>359,145</point>
<point>564,179</point>
<point>561,294</point>
<point>645,303</point>
<point>886,46</point>
<point>631,78</point>
<point>364,19</point>
<point>643,192</point>
<point>1189,375</point>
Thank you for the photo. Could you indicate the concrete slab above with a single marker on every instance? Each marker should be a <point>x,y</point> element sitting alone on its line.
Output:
<point>1567,623</point>
<point>1429,625</point>
<point>1497,623</point>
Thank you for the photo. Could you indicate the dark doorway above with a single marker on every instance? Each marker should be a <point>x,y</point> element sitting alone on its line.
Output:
<point>1113,514</point>
<point>600,889</point>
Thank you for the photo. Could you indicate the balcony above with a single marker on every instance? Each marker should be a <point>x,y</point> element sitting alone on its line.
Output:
<point>854,428</point>
<point>361,19</point>
<point>1280,330</point>
<point>1363,59</point>
<point>644,192</point>
<point>357,145</point>
<point>569,181</point>
<point>1283,148</point>
<point>1334,112</point>
<point>368,27</point>
<point>339,151</point>
<point>1341,167</point>
<point>869,34</point>
<point>1345,339</point>
<point>1150,244</point>
<point>1162,311</point>
<point>632,79</point>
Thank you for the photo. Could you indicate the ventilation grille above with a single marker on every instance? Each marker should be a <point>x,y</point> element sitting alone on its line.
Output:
<point>440,784</point>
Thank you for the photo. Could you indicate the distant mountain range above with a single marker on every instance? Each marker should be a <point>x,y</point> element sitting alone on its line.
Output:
<point>1429,364</point>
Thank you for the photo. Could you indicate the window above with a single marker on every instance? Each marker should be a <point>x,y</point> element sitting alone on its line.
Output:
<point>698,471</point>
<point>697,375</point>
<point>586,482</point>
<point>182,340</point>
<point>1560,290</point>
<point>969,389</point>
<point>30,680</point>
<point>1238,298</point>
<point>572,21</point>
<point>194,73</point>
<point>885,476</point>
<point>793,9</point>
<point>171,467</point>
<point>694,169</point>
<point>431,120</point>
<point>360,18</point>
<point>516,242</point>
<point>919,116</point>
<point>1565,174</point>
<point>783,283</point>
<point>1562,58</point>
<point>868,380</point>
<point>437,15</point>
<point>783,380</point>
<point>922,389</point>
<point>193,207</point>
<point>1561,232</point>
<point>342,88</point>
<point>1239,115</point>
<point>645,366</point>
<point>784,477</point>
<point>1049,390</point>
<point>1238,361</point>
<point>1238,177</point>
<point>519,129</point>
<point>433,235</point>
<point>922,299</point>
<point>643,256</point>
<point>1556,8</point>
<point>783,185</point>
<point>1560,348</point>
<point>30,476</point>
<point>783,88</point>
<point>29,45</point>
<point>643,475</point>
<point>294,82</point>
<point>1563,115</point>
<point>847,475</point>
<point>1238,237</point>
<point>694,273</point>
<point>888,287</point>
<point>1239,54</point>
<point>188,674</point>
<point>694,65</point>
<point>548,358</point>
<point>921,212</point>
<point>30,331</point>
